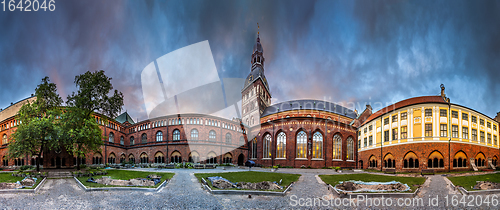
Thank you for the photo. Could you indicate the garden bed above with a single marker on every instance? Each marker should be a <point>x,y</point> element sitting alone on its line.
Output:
<point>469,182</point>
<point>118,176</point>
<point>8,182</point>
<point>251,180</point>
<point>413,182</point>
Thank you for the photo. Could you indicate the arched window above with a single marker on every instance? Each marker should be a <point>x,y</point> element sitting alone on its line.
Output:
<point>144,138</point>
<point>212,136</point>
<point>159,158</point>
<point>159,136</point>
<point>228,158</point>
<point>122,140</point>
<point>144,158</point>
<point>228,138</point>
<point>211,158</point>
<point>350,149</point>
<point>410,160</point>
<point>301,145</point>
<point>176,136</point>
<point>267,146</point>
<point>337,147</point>
<point>4,139</point>
<point>194,134</point>
<point>435,160</point>
<point>122,158</point>
<point>97,159</point>
<point>194,157</point>
<point>318,145</point>
<point>132,140</point>
<point>373,163</point>
<point>111,137</point>
<point>112,158</point>
<point>131,158</point>
<point>176,157</point>
<point>480,160</point>
<point>281,145</point>
<point>460,160</point>
<point>254,149</point>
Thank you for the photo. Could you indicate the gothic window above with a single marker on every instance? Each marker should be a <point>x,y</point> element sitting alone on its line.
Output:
<point>317,145</point>
<point>111,137</point>
<point>281,145</point>
<point>301,144</point>
<point>228,138</point>
<point>176,136</point>
<point>337,147</point>
<point>267,146</point>
<point>144,138</point>
<point>350,149</point>
<point>122,141</point>
<point>132,140</point>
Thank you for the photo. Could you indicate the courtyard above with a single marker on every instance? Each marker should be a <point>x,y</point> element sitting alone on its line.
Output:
<point>184,191</point>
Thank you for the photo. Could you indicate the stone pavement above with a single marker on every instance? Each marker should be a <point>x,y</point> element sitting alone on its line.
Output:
<point>185,192</point>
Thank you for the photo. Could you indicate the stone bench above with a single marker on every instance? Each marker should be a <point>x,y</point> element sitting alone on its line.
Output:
<point>427,171</point>
<point>390,170</point>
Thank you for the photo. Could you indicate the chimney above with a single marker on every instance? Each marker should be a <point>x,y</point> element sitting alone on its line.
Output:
<point>369,107</point>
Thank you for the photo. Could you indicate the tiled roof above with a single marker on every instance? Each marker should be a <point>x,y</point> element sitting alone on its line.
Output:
<point>309,105</point>
<point>403,103</point>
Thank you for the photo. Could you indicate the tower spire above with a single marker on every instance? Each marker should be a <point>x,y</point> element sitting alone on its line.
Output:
<point>258,29</point>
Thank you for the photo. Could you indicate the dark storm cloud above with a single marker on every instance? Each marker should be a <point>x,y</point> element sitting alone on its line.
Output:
<point>340,51</point>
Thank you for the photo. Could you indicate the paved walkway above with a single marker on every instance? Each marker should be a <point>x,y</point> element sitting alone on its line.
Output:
<point>185,192</point>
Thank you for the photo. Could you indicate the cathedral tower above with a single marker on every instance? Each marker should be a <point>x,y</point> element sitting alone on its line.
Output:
<point>255,94</point>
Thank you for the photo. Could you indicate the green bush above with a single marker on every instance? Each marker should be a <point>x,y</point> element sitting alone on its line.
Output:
<point>26,167</point>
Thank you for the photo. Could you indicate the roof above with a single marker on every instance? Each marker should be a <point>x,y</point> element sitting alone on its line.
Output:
<point>258,46</point>
<point>403,103</point>
<point>125,118</point>
<point>309,105</point>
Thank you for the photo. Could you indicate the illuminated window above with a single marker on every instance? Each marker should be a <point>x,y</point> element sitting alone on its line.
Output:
<point>281,145</point>
<point>267,146</point>
<point>403,116</point>
<point>394,118</point>
<point>337,147</point>
<point>4,139</point>
<point>428,130</point>
<point>394,134</point>
<point>443,130</point>
<point>301,144</point>
<point>404,132</point>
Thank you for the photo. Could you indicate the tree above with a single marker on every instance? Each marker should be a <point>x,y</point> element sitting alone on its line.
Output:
<point>38,130</point>
<point>81,132</point>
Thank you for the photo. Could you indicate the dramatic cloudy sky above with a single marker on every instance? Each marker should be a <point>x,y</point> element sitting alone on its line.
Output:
<point>341,51</point>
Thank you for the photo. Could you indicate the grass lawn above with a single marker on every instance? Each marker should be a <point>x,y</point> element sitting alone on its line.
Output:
<point>410,181</point>
<point>125,175</point>
<point>8,178</point>
<point>468,182</point>
<point>251,176</point>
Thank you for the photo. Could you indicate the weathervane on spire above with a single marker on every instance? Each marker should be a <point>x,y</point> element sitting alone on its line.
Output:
<point>258,27</point>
